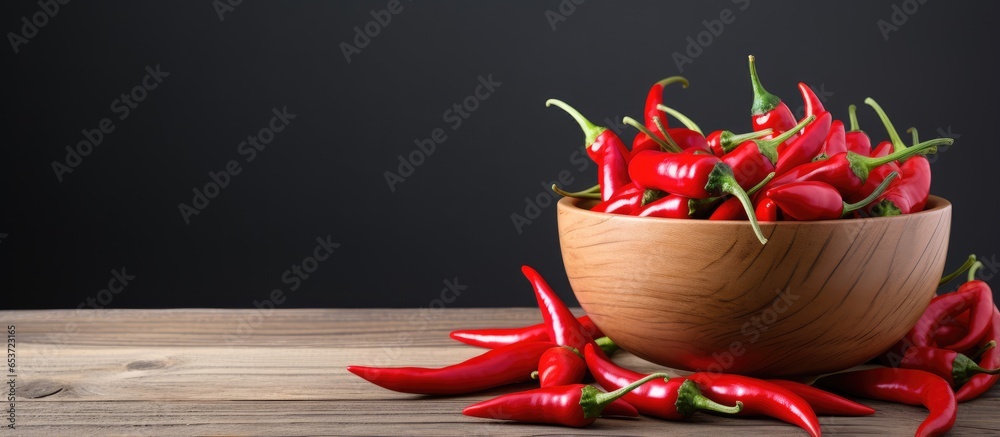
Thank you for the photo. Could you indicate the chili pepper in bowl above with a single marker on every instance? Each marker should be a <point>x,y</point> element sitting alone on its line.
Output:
<point>561,365</point>
<point>676,398</point>
<point>834,143</point>
<point>604,148</point>
<point>563,327</point>
<point>496,367</point>
<point>823,402</point>
<point>651,141</point>
<point>679,207</point>
<point>906,386</point>
<point>721,140</point>
<point>814,200</point>
<point>754,159</point>
<point>732,209</point>
<point>759,398</point>
<point>691,176</point>
<point>812,104</point>
<point>910,195</point>
<point>626,201</point>
<point>856,140</point>
<point>575,405</point>
<point>687,122</point>
<point>654,98</point>
<point>807,145</point>
<point>766,211</point>
<point>768,111</point>
<point>496,337</point>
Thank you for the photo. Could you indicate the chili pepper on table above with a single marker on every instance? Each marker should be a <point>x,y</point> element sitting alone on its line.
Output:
<point>954,367</point>
<point>856,140</point>
<point>561,365</point>
<point>906,386</point>
<point>691,176</point>
<point>732,209</point>
<point>812,104</point>
<point>721,140</point>
<point>759,397</point>
<point>834,143</point>
<point>807,145</point>
<point>990,359</point>
<point>563,327</point>
<point>768,111</point>
<point>654,98</point>
<point>496,367</point>
<point>575,405</point>
<point>823,402</point>
<point>496,337</point>
<point>676,398</point>
<point>754,159</point>
<point>604,148</point>
<point>974,296</point>
<point>814,200</point>
<point>910,194</point>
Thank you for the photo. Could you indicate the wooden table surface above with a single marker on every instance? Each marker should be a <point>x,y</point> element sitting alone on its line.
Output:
<point>242,372</point>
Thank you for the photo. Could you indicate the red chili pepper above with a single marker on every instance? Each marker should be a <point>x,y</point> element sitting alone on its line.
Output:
<point>688,139</point>
<point>883,149</point>
<point>813,105</point>
<point>835,142</point>
<point>679,207</point>
<point>676,398</point>
<point>659,140</point>
<point>876,176</point>
<point>576,405</point>
<point>814,200</point>
<point>604,148</point>
<point>754,159</point>
<point>767,211</point>
<point>806,146</point>
<point>906,386</point>
<point>496,337</point>
<point>973,296</point>
<point>979,384</point>
<point>768,111</point>
<point>910,195</point>
<point>949,333</point>
<point>692,176</point>
<point>954,367</point>
<point>721,140</point>
<point>732,209</point>
<point>497,367</point>
<point>561,365</point>
<point>563,328</point>
<point>823,402</point>
<point>626,201</point>
<point>759,398</point>
<point>848,171</point>
<point>856,139</point>
<point>654,98</point>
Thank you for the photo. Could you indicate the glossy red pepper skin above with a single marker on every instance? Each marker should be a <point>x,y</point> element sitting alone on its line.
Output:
<point>952,366</point>
<point>560,366</point>
<point>749,165</point>
<point>813,105</point>
<point>910,193</point>
<point>809,200</point>
<point>679,207</point>
<point>876,176</point>
<point>683,174</point>
<point>836,141</point>
<point>604,148</point>
<point>767,210</point>
<point>626,201</point>
<point>973,296</point>
<point>496,337</point>
<point>654,98</point>
<point>856,139</point>
<point>768,111</point>
<point>906,386</point>
<point>563,328</point>
<point>806,146</point>
<point>494,368</point>
<point>823,402</point>
<point>731,209</point>
<point>721,140</point>
<point>759,398</point>
<point>979,384</point>
<point>672,399</point>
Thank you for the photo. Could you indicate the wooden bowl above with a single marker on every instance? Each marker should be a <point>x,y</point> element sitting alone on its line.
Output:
<point>706,295</point>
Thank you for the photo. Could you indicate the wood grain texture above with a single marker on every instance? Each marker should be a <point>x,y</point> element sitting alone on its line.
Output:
<point>170,372</point>
<point>818,297</point>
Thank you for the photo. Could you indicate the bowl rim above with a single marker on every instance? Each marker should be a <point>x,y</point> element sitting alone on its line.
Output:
<point>935,205</point>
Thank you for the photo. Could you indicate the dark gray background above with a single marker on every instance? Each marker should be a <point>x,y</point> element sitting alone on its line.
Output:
<point>324,174</point>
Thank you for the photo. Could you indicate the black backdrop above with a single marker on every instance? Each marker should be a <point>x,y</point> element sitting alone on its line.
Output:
<point>66,232</point>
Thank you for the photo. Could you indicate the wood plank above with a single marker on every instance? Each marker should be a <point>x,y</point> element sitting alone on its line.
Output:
<point>171,372</point>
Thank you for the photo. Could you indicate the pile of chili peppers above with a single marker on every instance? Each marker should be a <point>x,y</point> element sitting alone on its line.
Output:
<point>783,169</point>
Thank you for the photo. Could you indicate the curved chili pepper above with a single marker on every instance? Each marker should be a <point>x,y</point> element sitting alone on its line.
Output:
<point>813,105</point>
<point>626,201</point>
<point>721,140</point>
<point>689,139</point>
<point>688,175</point>
<point>754,159</point>
<point>856,139</point>
<point>814,200</point>
<point>911,193</point>
<point>834,143</point>
<point>676,398</point>
<point>494,368</point>
<point>883,149</point>
<point>979,384</point>
<point>576,405</point>
<point>954,367</point>
<point>759,397</point>
<point>807,145</point>
<point>604,148</point>
<point>732,209</point>
<point>496,337</point>
<point>654,98</point>
<point>876,176</point>
<point>767,211</point>
<point>823,402</point>
<point>561,365</point>
<point>768,111</point>
<point>563,328</point>
<point>674,206</point>
<point>848,171</point>
<point>906,386</point>
<point>973,296</point>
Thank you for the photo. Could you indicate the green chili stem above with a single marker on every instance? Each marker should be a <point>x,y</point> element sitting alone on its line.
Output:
<point>687,122</point>
<point>590,130</point>
<point>663,144</point>
<point>916,136</point>
<point>666,135</point>
<point>961,269</point>
<point>897,143</point>
<point>848,207</point>
<point>974,269</point>
<point>853,113</point>
<point>577,195</point>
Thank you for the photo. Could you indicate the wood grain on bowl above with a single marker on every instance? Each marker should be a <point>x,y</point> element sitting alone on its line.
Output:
<point>706,295</point>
